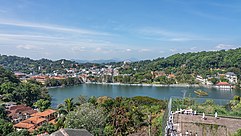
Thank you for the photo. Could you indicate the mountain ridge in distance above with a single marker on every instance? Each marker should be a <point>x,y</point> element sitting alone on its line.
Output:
<point>100,61</point>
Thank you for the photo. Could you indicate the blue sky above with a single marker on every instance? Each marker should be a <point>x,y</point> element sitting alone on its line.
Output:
<point>106,29</point>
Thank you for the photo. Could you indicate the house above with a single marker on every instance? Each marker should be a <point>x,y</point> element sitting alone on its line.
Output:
<point>18,113</point>
<point>30,124</point>
<point>37,119</point>
<point>223,85</point>
<point>232,78</point>
<point>71,132</point>
<point>156,74</point>
<point>40,79</point>
<point>20,75</point>
<point>9,104</point>
<point>171,76</point>
<point>48,114</point>
<point>203,81</point>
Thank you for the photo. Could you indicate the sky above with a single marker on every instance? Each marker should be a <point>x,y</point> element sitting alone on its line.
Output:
<point>117,29</point>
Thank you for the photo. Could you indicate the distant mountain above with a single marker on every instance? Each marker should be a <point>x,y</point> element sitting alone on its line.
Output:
<point>101,61</point>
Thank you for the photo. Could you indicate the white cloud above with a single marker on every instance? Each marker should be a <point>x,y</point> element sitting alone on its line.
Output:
<point>28,47</point>
<point>144,50</point>
<point>193,48</point>
<point>78,49</point>
<point>50,27</point>
<point>164,35</point>
<point>173,50</point>
<point>128,50</point>
<point>224,46</point>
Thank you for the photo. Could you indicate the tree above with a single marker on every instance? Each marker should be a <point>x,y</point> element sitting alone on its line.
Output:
<point>67,106</point>
<point>238,133</point>
<point>87,116</point>
<point>19,133</point>
<point>214,80</point>
<point>3,113</point>
<point>46,127</point>
<point>42,104</point>
<point>5,127</point>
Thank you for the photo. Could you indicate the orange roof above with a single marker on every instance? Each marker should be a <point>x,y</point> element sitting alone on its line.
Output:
<point>171,76</point>
<point>44,113</point>
<point>223,84</point>
<point>24,125</point>
<point>34,120</point>
<point>39,77</point>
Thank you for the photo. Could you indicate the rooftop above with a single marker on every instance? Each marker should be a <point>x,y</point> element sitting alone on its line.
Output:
<point>44,113</point>
<point>24,125</point>
<point>195,123</point>
<point>34,120</point>
<point>71,132</point>
<point>223,84</point>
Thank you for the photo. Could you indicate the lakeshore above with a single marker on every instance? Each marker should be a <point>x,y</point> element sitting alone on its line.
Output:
<point>125,90</point>
<point>154,85</point>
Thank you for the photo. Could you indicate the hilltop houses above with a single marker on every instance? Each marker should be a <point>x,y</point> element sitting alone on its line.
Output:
<point>24,117</point>
<point>37,119</point>
<point>232,77</point>
<point>18,113</point>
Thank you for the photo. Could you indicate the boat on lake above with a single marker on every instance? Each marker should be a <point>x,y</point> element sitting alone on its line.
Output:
<point>201,93</point>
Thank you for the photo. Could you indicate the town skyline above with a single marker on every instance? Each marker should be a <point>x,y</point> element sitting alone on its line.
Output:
<point>92,30</point>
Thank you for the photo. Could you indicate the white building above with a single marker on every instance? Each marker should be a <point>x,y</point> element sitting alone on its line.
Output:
<point>232,78</point>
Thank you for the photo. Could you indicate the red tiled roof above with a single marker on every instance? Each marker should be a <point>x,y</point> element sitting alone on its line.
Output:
<point>19,107</point>
<point>14,110</point>
<point>34,120</point>
<point>223,84</point>
<point>44,113</point>
<point>24,125</point>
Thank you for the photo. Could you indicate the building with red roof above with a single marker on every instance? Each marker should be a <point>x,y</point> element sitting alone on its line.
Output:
<point>37,119</point>
<point>224,85</point>
<point>18,113</point>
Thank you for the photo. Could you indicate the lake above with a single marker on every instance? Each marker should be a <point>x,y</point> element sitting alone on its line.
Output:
<point>59,94</point>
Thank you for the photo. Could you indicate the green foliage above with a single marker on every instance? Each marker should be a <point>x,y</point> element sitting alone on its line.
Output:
<point>5,127</point>
<point>238,133</point>
<point>68,106</point>
<point>63,82</point>
<point>119,116</point>
<point>46,127</point>
<point>109,130</point>
<point>185,66</point>
<point>19,133</point>
<point>86,116</point>
<point>21,92</point>
<point>42,104</point>
<point>3,113</point>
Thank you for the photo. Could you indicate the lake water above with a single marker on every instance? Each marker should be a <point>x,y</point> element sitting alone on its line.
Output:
<point>59,94</point>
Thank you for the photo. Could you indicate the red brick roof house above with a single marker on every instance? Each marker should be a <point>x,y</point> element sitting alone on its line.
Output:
<point>30,124</point>
<point>224,85</point>
<point>48,114</point>
<point>37,119</point>
<point>19,112</point>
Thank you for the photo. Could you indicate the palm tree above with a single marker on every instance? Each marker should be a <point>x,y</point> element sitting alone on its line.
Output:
<point>64,109</point>
<point>67,106</point>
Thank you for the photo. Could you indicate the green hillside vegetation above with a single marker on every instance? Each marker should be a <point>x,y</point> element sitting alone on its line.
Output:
<point>113,116</point>
<point>11,89</point>
<point>27,65</point>
<point>185,66</point>
<point>29,93</point>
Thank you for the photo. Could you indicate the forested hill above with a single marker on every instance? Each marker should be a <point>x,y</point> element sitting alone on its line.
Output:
<point>28,65</point>
<point>190,63</point>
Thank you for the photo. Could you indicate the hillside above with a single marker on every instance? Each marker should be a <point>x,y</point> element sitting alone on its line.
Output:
<point>27,65</point>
